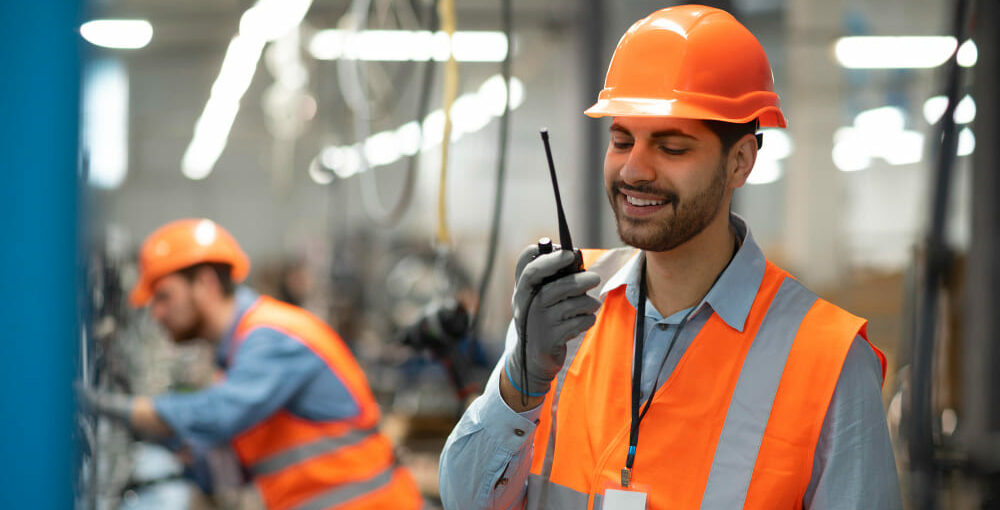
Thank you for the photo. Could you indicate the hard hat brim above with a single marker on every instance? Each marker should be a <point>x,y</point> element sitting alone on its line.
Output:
<point>768,116</point>
<point>141,294</point>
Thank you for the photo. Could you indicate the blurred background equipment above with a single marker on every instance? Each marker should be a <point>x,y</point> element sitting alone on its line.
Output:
<point>951,394</point>
<point>440,329</point>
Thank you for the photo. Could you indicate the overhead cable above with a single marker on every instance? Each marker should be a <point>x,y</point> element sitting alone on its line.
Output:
<point>506,22</point>
<point>371,200</point>
<point>446,12</point>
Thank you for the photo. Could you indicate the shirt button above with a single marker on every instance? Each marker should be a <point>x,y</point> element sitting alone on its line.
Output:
<point>663,326</point>
<point>518,432</point>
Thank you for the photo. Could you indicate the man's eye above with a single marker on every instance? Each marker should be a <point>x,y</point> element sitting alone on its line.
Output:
<point>621,144</point>
<point>673,151</point>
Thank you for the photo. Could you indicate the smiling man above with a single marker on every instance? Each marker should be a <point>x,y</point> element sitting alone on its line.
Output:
<point>684,371</point>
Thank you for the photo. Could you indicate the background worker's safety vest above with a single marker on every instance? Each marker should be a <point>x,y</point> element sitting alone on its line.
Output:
<point>734,426</point>
<point>301,464</point>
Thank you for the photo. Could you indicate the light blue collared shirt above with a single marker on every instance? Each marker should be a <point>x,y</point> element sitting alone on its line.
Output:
<point>267,372</point>
<point>487,458</point>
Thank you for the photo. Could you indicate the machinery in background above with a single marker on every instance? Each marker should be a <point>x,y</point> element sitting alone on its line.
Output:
<point>443,331</point>
<point>429,299</point>
<point>114,470</point>
<point>949,385</point>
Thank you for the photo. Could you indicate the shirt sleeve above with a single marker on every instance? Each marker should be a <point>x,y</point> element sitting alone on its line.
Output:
<point>854,467</point>
<point>487,458</point>
<point>267,371</point>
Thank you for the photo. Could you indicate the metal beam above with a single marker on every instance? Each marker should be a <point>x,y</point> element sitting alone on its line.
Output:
<point>979,420</point>
<point>594,68</point>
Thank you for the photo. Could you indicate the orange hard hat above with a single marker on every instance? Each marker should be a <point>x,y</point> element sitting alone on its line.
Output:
<point>181,244</point>
<point>694,62</point>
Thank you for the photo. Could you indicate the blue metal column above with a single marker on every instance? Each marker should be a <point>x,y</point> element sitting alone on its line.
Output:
<point>39,105</point>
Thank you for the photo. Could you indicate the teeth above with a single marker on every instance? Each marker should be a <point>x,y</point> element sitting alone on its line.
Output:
<point>642,202</point>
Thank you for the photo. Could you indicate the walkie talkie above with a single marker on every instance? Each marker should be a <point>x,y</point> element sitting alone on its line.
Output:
<point>545,246</point>
<point>566,242</point>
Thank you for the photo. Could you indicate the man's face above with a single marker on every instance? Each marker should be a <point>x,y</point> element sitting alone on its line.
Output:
<point>175,308</point>
<point>666,179</point>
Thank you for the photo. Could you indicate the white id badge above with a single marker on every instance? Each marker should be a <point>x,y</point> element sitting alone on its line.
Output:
<point>619,499</point>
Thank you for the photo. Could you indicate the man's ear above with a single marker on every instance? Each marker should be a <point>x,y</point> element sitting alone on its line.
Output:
<point>742,157</point>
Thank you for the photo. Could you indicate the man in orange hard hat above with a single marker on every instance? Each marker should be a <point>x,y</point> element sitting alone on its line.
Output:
<point>684,371</point>
<point>294,404</point>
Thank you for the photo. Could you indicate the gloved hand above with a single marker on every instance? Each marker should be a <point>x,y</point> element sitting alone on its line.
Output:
<point>547,316</point>
<point>114,405</point>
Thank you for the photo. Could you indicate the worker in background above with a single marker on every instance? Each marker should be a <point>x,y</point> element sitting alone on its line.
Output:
<point>294,405</point>
<point>685,371</point>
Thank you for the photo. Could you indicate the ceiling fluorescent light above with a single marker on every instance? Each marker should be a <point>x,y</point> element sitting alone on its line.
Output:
<point>387,147</point>
<point>968,54</point>
<point>894,52</point>
<point>408,45</point>
<point>266,21</point>
<point>127,34</point>
<point>271,19</point>
<point>105,123</point>
<point>934,108</point>
<point>965,111</point>
<point>877,133</point>
<point>966,142</point>
<point>211,131</point>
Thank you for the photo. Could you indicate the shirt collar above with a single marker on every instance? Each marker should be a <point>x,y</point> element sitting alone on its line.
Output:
<point>245,298</point>
<point>733,293</point>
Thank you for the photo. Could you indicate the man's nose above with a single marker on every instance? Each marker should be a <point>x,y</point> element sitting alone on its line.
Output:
<point>638,167</point>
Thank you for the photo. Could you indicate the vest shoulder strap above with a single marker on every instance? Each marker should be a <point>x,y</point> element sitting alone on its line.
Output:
<point>308,329</point>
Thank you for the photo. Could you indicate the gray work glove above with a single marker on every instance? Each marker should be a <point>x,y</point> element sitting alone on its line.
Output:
<point>114,405</point>
<point>546,317</point>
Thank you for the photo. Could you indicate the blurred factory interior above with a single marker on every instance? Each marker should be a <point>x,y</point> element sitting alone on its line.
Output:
<point>312,131</point>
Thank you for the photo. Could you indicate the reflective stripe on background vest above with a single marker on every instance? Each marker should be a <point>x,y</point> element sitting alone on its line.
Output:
<point>734,426</point>
<point>304,465</point>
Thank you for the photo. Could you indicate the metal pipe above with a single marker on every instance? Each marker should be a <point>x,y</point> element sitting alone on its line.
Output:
<point>924,471</point>
<point>593,139</point>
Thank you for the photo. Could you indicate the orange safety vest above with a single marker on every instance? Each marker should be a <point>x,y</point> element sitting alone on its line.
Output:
<point>304,465</point>
<point>734,426</point>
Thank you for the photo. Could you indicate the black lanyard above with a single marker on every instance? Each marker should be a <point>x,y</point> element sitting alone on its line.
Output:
<point>640,340</point>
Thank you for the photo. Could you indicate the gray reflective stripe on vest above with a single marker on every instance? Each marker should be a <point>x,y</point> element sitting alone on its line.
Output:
<point>742,433</point>
<point>301,453</point>
<point>605,266</point>
<point>557,496</point>
<point>348,491</point>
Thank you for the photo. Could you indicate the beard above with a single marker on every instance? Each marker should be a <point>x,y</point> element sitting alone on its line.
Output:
<point>691,215</point>
<point>189,330</point>
<point>189,333</point>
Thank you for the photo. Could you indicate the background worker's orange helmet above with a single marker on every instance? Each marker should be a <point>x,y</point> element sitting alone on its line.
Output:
<point>184,243</point>
<point>694,62</point>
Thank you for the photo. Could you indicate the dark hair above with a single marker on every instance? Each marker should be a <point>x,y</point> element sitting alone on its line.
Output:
<point>730,133</point>
<point>222,270</point>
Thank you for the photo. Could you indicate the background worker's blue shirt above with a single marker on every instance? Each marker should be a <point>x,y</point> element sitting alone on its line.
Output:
<point>267,372</point>
<point>487,458</point>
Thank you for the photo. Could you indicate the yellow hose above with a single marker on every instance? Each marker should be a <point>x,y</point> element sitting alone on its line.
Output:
<point>446,13</point>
